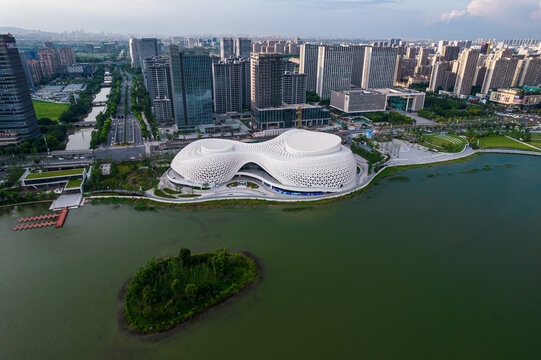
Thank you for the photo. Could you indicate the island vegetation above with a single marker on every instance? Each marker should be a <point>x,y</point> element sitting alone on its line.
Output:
<point>164,293</point>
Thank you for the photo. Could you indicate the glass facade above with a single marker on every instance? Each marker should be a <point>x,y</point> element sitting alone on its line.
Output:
<point>283,118</point>
<point>17,113</point>
<point>191,75</point>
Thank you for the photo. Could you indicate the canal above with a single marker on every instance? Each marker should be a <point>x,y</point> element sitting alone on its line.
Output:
<point>80,139</point>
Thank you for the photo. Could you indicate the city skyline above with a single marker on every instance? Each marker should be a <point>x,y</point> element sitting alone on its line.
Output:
<point>414,19</point>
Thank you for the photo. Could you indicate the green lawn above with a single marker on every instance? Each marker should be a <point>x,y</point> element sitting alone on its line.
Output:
<point>502,142</point>
<point>446,143</point>
<point>74,184</point>
<point>54,174</point>
<point>535,140</point>
<point>49,110</point>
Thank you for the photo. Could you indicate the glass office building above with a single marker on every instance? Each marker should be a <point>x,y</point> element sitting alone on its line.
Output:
<point>17,115</point>
<point>191,78</point>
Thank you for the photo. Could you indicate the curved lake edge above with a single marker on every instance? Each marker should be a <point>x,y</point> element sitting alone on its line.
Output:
<point>124,325</point>
<point>148,203</point>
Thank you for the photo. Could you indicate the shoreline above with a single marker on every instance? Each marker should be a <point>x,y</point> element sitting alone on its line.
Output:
<point>124,326</point>
<point>251,201</point>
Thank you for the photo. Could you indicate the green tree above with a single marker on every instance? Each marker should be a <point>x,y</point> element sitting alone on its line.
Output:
<point>185,256</point>
<point>191,291</point>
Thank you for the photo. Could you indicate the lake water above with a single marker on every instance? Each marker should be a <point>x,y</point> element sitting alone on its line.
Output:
<point>80,139</point>
<point>441,267</point>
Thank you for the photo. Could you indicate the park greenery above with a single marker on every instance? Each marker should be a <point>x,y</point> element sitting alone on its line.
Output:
<point>127,175</point>
<point>492,139</point>
<point>49,110</point>
<point>439,108</point>
<point>392,117</point>
<point>364,148</point>
<point>81,106</point>
<point>312,97</point>
<point>164,293</point>
<point>141,104</point>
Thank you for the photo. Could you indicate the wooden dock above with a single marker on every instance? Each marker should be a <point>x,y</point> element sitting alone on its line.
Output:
<point>58,223</point>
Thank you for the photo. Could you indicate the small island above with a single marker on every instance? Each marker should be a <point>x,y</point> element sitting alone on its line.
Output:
<point>164,293</point>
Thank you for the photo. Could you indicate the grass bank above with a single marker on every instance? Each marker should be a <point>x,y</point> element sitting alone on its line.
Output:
<point>49,110</point>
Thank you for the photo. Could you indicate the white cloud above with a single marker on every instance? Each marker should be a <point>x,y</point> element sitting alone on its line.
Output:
<point>536,15</point>
<point>453,14</point>
<point>492,9</point>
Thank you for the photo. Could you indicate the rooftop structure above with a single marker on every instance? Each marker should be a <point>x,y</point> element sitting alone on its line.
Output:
<point>297,160</point>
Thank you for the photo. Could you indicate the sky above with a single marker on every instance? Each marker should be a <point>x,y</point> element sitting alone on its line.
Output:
<point>370,19</point>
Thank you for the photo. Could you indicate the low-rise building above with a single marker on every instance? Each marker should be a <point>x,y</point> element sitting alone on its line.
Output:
<point>516,98</point>
<point>363,100</point>
<point>287,116</point>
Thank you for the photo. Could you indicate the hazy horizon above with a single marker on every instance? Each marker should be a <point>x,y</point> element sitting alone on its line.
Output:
<point>370,19</point>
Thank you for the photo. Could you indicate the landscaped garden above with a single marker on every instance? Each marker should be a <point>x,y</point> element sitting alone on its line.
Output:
<point>445,109</point>
<point>164,293</point>
<point>445,143</point>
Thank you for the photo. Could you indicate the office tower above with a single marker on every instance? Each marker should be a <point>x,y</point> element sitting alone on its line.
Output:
<point>266,76</point>
<point>26,69</point>
<point>441,44</point>
<point>527,73</point>
<point>442,77</point>
<point>379,67</point>
<point>67,57</point>
<point>178,41</point>
<point>135,52</point>
<point>499,74</point>
<point>158,70</point>
<point>191,85</point>
<point>411,52</point>
<point>293,88</point>
<point>450,53</point>
<point>466,69</point>
<point>141,49</point>
<point>357,66</point>
<point>231,85</point>
<point>243,47</point>
<point>334,69</point>
<point>17,115</point>
<point>423,57</point>
<point>308,64</point>
<point>226,47</point>
<point>148,48</point>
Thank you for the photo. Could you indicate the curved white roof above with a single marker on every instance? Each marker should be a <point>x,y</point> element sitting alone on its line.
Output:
<point>296,159</point>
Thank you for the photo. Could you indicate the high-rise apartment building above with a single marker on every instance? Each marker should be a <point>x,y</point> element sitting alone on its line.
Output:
<point>499,74</point>
<point>450,53</point>
<point>334,69</point>
<point>411,52</point>
<point>443,77</point>
<point>243,47</point>
<point>158,69</point>
<point>226,47</point>
<point>191,84</point>
<point>423,57</point>
<point>231,85</point>
<point>67,57</point>
<point>466,71</point>
<point>293,88</point>
<point>308,64</point>
<point>17,115</point>
<point>135,52</point>
<point>528,72</point>
<point>379,67</point>
<point>266,77</point>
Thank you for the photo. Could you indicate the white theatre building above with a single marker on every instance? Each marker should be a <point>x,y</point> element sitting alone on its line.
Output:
<point>296,161</point>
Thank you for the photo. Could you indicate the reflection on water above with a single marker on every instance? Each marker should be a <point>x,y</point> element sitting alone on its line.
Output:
<point>80,140</point>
